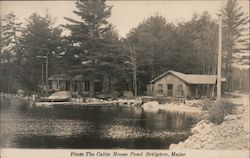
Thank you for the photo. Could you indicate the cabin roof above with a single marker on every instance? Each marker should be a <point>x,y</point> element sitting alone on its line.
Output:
<point>61,77</point>
<point>81,77</point>
<point>190,78</point>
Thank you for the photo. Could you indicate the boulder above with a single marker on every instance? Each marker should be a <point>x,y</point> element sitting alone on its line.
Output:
<point>230,117</point>
<point>152,106</point>
<point>201,125</point>
<point>138,103</point>
<point>172,146</point>
<point>20,92</point>
<point>180,146</point>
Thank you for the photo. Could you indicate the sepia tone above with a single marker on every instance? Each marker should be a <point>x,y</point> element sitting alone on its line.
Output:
<point>110,78</point>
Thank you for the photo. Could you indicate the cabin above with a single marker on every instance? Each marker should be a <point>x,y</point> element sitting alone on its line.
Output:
<point>59,82</point>
<point>79,83</point>
<point>172,84</point>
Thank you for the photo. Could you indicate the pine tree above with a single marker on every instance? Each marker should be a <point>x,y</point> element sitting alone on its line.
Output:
<point>10,51</point>
<point>153,37</point>
<point>235,35</point>
<point>40,39</point>
<point>202,32</point>
<point>93,41</point>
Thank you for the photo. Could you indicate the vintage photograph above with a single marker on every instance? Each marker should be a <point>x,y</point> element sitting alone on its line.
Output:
<point>96,74</point>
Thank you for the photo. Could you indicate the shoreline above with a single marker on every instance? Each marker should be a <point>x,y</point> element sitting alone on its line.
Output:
<point>232,134</point>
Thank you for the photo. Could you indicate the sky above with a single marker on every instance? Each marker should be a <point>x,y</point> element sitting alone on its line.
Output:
<point>125,14</point>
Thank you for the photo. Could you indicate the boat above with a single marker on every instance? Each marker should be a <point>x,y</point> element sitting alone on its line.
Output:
<point>60,96</point>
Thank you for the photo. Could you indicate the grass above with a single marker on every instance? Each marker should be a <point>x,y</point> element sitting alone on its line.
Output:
<point>218,110</point>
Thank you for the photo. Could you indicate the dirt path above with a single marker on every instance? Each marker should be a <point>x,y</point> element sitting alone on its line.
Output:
<point>232,134</point>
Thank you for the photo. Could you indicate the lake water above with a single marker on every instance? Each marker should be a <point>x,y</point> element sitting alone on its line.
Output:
<point>100,127</point>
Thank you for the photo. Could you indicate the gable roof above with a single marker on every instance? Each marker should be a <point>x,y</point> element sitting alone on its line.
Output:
<point>190,78</point>
<point>61,77</point>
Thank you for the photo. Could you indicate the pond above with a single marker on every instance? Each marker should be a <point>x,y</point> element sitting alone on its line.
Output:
<point>98,127</point>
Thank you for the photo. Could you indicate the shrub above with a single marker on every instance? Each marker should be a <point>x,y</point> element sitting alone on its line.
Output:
<point>216,114</point>
<point>207,105</point>
<point>218,110</point>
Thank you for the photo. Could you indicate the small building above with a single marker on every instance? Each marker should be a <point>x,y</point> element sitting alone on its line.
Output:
<point>172,84</point>
<point>79,83</point>
<point>59,82</point>
<point>83,85</point>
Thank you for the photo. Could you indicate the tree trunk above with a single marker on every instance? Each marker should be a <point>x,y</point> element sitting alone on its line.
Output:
<point>152,63</point>
<point>135,84</point>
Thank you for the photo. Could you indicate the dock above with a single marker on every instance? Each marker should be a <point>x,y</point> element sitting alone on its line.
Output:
<point>85,104</point>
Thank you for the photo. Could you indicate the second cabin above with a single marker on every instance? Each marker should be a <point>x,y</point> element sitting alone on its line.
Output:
<point>172,84</point>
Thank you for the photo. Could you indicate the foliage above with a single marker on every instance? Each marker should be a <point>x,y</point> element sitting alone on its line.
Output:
<point>218,110</point>
<point>161,46</point>
<point>9,39</point>
<point>93,47</point>
<point>94,42</point>
<point>154,41</point>
<point>198,41</point>
<point>10,54</point>
<point>240,80</point>
<point>235,36</point>
<point>40,38</point>
<point>131,61</point>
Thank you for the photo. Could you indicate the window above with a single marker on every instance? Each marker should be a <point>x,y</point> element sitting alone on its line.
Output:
<point>86,86</point>
<point>170,89</point>
<point>160,88</point>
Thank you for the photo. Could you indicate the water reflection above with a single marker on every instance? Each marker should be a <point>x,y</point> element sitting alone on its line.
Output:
<point>89,127</point>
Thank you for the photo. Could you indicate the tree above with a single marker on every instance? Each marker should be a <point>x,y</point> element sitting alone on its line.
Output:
<point>131,59</point>
<point>153,41</point>
<point>198,39</point>
<point>93,39</point>
<point>235,36</point>
<point>189,47</point>
<point>10,50</point>
<point>110,59</point>
<point>40,40</point>
<point>155,37</point>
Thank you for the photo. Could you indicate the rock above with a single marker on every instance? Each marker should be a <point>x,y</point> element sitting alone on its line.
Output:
<point>202,127</point>
<point>138,103</point>
<point>230,117</point>
<point>197,146</point>
<point>152,106</point>
<point>172,146</point>
<point>180,146</point>
<point>203,139</point>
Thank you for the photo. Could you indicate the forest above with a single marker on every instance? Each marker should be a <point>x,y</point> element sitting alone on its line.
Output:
<point>94,47</point>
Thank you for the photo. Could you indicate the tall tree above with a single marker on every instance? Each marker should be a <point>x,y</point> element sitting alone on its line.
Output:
<point>189,47</point>
<point>235,33</point>
<point>10,54</point>
<point>110,60</point>
<point>198,38</point>
<point>40,40</point>
<point>155,37</point>
<point>153,40</point>
<point>131,58</point>
<point>92,38</point>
